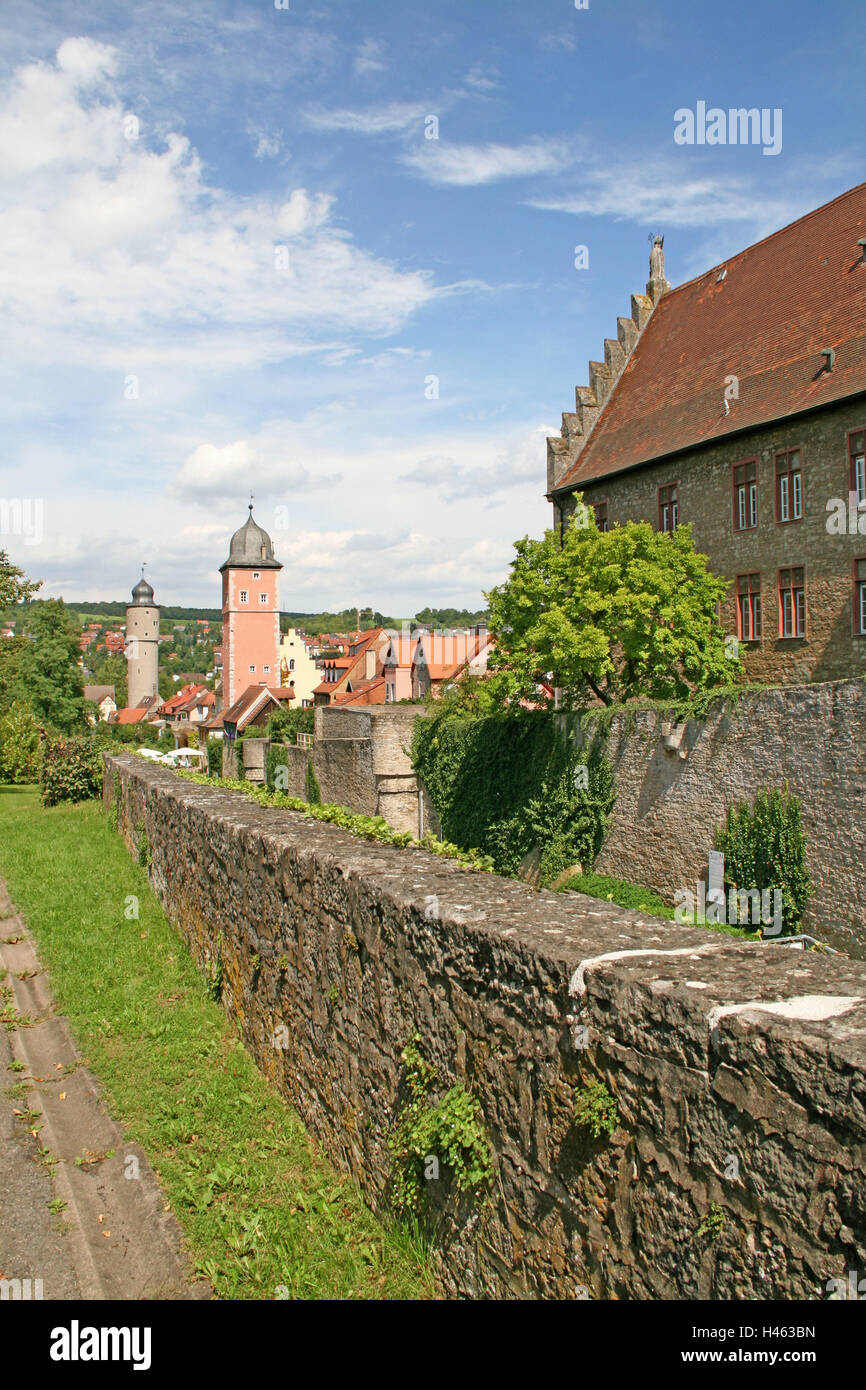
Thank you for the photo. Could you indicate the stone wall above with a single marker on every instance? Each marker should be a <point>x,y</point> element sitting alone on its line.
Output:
<point>670,799</point>
<point>737,1069</point>
<point>360,758</point>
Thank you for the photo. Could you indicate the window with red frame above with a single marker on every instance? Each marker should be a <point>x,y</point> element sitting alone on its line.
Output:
<point>789,486</point>
<point>792,602</point>
<point>600,509</point>
<point>746,495</point>
<point>749,607</point>
<point>857,465</point>
<point>669,507</point>
<point>860,597</point>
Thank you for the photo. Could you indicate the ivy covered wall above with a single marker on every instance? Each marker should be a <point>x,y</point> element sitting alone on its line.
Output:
<point>510,784</point>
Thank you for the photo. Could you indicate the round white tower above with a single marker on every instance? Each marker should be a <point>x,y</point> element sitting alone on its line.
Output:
<point>142,644</point>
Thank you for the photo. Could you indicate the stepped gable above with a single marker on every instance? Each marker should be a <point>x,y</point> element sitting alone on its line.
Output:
<point>564,452</point>
<point>766,317</point>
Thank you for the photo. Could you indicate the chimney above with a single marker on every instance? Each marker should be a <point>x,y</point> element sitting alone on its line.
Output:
<point>657,285</point>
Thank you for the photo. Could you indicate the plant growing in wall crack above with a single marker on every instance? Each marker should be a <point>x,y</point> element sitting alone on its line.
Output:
<point>596,1109</point>
<point>713,1223</point>
<point>142,847</point>
<point>215,970</point>
<point>449,1130</point>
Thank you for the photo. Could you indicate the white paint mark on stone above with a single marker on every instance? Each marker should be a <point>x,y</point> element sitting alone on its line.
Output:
<point>577,985</point>
<point>696,984</point>
<point>807,1008</point>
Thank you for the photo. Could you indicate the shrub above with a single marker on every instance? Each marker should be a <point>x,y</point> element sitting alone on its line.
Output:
<point>765,848</point>
<point>215,757</point>
<point>19,744</point>
<point>71,771</point>
<point>311,787</point>
<point>277,757</point>
<point>284,724</point>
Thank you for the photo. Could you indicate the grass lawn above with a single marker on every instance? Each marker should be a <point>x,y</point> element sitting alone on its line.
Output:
<point>259,1207</point>
<point>618,890</point>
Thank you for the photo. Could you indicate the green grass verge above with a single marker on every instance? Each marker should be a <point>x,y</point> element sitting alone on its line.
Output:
<point>261,1211</point>
<point>624,894</point>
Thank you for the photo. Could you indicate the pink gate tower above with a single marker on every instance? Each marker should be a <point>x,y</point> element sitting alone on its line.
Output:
<point>251,612</point>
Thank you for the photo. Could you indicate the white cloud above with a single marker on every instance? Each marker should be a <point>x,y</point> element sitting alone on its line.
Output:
<point>482,78</point>
<point>212,473</point>
<point>486,473</point>
<point>673,192</point>
<point>370,58</point>
<point>440,162</point>
<point>113,251</point>
<point>388,119</point>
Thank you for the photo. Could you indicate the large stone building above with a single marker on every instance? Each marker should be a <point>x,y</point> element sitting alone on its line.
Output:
<point>737,402</point>
<point>142,645</point>
<point>251,612</point>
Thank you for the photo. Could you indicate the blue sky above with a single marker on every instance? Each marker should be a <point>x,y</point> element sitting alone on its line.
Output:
<point>232,260</point>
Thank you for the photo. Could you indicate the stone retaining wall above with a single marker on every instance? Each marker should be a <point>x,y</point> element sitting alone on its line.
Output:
<point>669,799</point>
<point>739,1071</point>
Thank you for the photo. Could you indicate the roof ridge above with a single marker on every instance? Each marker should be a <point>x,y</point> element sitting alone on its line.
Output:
<point>753,245</point>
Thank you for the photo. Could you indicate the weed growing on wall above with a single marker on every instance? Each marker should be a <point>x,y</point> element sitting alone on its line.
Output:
<point>505,784</point>
<point>765,848</point>
<point>448,1131</point>
<point>366,827</point>
<point>596,1109</point>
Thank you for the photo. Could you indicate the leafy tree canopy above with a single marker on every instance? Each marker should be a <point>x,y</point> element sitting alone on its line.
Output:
<point>616,614</point>
<point>49,677</point>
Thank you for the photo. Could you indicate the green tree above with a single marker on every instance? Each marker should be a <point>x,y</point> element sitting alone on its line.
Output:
<point>49,677</point>
<point>15,589</point>
<point>111,670</point>
<point>614,614</point>
<point>19,744</point>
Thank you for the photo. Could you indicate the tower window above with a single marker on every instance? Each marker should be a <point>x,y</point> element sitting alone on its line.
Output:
<point>243,596</point>
<point>263,598</point>
<point>256,574</point>
<point>252,670</point>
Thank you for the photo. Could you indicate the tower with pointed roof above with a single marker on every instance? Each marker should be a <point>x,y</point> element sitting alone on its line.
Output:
<point>142,644</point>
<point>251,612</point>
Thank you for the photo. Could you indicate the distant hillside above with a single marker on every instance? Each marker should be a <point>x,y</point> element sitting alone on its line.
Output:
<point>313,623</point>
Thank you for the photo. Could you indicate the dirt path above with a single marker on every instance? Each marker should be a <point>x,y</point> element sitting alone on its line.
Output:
<point>80,1208</point>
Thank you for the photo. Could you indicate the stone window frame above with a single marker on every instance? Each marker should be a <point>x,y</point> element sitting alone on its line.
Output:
<point>735,511</point>
<point>793,588</point>
<point>673,502</point>
<point>601,524</point>
<point>787,473</point>
<point>242,596</point>
<point>858,596</point>
<point>852,481</point>
<point>749,575</point>
<point>263,598</point>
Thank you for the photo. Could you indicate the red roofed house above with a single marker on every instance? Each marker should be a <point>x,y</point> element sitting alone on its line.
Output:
<point>342,675</point>
<point>737,402</point>
<point>440,660</point>
<point>397,668</point>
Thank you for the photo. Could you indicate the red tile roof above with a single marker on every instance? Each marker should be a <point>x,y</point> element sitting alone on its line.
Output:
<point>370,692</point>
<point>780,303</point>
<point>129,716</point>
